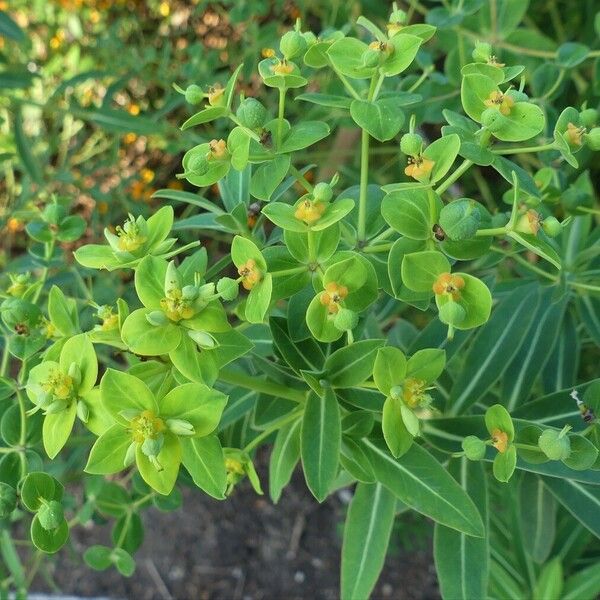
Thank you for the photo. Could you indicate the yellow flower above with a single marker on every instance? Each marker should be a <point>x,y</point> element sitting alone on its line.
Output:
<point>14,225</point>
<point>146,426</point>
<point>500,440</point>
<point>133,109</point>
<point>215,95</point>
<point>268,53</point>
<point>413,392</point>
<point>283,67</point>
<point>419,167</point>
<point>129,138</point>
<point>501,101</point>
<point>332,296</point>
<point>447,283</point>
<point>310,211</point>
<point>218,149</point>
<point>574,134</point>
<point>147,175</point>
<point>250,274</point>
<point>164,9</point>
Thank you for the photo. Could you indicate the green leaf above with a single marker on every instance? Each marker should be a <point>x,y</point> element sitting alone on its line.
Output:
<point>38,486</point>
<point>538,517</point>
<point>389,369</point>
<point>583,585</point>
<point>427,364</point>
<point>382,118</point>
<point>169,459</point>
<point>80,350</point>
<point>9,29</point>
<point>196,403</point>
<point>320,442</point>
<point>550,581</point>
<point>57,429</point>
<point>108,453</point>
<point>268,176</point>
<point>406,47</point>
<point>29,161</point>
<point>259,299</point>
<point>204,116</point>
<point>352,364</point>
<point>407,211</point>
<point>571,54</point>
<point>494,347</point>
<point>346,57</point>
<point>397,437</point>
<point>63,312</point>
<point>367,532</point>
<point>48,540</point>
<point>420,270</point>
<point>524,122</point>
<point>462,561</point>
<point>443,153</point>
<point>581,500</point>
<point>146,339</point>
<point>475,90</point>
<point>204,460</point>
<point>537,246</point>
<point>460,219</point>
<point>504,464</point>
<point>284,457</point>
<point>305,134</point>
<point>98,557</point>
<point>420,481</point>
<point>150,281</point>
<point>121,391</point>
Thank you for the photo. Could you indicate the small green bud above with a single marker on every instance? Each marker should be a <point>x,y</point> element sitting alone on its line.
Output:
<point>189,292</point>
<point>55,407</point>
<point>172,278</point>
<point>194,94</point>
<point>292,44</point>
<point>251,113</point>
<point>592,139</point>
<point>551,226</point>
<point>452,313</point>
<point>157,318</point>
<point>310,38</point>
<point>203,340</point>
<point>8,500</point>
<point>228,288</point>
<point>371,58</point>
<point>152,446</point>
<point>473,447</point>
<point>397,392</point>
<point>74,373</point>
<point>54,213</point>
<point>206,290</point>
<point>588,118</point>
<point>411,144</point>
<point>180,427</point>
<point>555,444</point>
<point>322,192</point>
<point>83,412</point>
<point>51,515</point>
<point>345,319</point>
<point>492,119</point>
<point>482,52</point>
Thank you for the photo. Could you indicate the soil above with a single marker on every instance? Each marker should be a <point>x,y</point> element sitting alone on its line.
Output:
<point>245,549</point>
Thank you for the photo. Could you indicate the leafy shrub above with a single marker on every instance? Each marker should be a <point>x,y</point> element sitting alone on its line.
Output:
<point>425,328</point>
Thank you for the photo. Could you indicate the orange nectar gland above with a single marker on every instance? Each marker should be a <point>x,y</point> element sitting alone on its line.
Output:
<point>146,426</point>
<point>218,150</point>
<point>282,67</point>
<point>310,211</point>
<point>500,101</point>
<point>176,307</point>
<point>215,95</point>
<point>332,296</point>
<point>574,134</point>
<point>449,284</point>
<point>413,392</point>
<point>500,440</point>
<point>250,274</point>
<point>418,167</point>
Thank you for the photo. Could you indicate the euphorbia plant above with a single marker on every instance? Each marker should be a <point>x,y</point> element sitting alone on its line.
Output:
<point>307,318</point>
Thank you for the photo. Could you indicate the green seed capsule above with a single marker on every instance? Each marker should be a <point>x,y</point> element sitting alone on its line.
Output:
<point>228,288</point>
<point>554,445</point>
<point>194,94</point>
<point>51,515</point>
<point>452,313</point>
<point>251,113</point>
<point>588,117</point>
<point>411,144</point>
<point>345,319</point>
<point>371,58</point>
<point>322,192</point>
<point>473,447</point>
<point>189,292</point>
<point>551,226</point>
<point>292,44</point>
<point>157,318</point>
<point>482,52</point>
<point>592,139</point>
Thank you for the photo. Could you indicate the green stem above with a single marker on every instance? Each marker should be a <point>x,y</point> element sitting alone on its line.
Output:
<point>518,258</point>
<point>291,271</point>
<point>585,286</point>
<point>182,249</point>
<point>307,185</point>
<point>347,84</point>
<point>280,113</point>
<point>263,386</point>
<point>525,149</point>
<point>378,248</point>
<point>312,251</point>
<point>463,168</point>
<point>270,430</point>
<point>421,79</point>
<point>491,231</point>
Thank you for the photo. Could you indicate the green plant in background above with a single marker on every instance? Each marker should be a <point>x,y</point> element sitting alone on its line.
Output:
<point>424,330</point>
